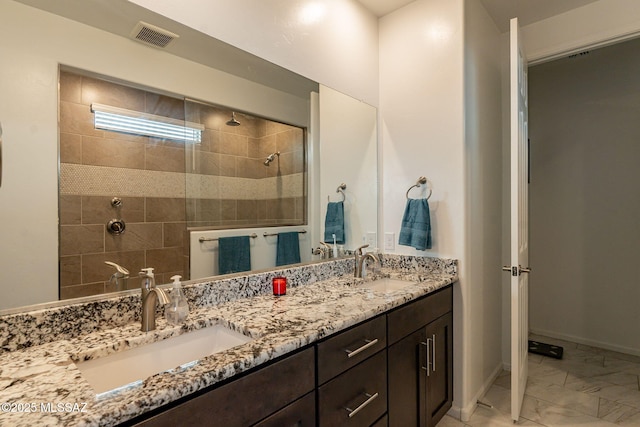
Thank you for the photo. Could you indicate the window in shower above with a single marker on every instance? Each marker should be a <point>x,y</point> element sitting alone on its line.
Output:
<point>117,119</point>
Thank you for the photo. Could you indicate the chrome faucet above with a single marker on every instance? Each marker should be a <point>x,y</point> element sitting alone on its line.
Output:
<point>360,261</point>
<point>150,297</point>
<point>121,273</point>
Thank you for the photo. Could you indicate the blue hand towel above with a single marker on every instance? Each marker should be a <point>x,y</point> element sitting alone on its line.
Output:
<point>334,222</point>
<point>288,249</point>
<point>233,254</point>
<point>416,225</point>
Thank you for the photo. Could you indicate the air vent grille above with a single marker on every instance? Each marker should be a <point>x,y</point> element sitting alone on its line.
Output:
<point>150,34</point>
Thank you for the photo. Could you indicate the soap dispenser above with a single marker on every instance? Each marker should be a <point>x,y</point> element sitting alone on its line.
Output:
<point>177,310</point>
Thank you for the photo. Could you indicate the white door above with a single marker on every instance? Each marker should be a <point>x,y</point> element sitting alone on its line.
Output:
<point>519,222</point>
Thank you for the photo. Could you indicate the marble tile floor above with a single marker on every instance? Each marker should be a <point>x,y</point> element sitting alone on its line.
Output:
<point>589,387</point>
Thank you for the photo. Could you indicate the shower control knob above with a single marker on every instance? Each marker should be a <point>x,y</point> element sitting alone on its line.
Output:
<point>116,226</point>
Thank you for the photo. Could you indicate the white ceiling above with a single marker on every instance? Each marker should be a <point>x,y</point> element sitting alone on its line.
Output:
<point>527,11</point>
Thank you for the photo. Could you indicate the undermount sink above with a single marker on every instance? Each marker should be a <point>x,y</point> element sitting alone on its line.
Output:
<point>387,285</point>
<point>126,367</point>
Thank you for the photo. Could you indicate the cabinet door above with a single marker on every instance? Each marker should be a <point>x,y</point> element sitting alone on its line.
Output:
<point>407,381</point>
<point>439,373</point>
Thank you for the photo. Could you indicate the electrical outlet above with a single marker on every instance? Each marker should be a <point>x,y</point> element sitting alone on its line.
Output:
<point>389,241</point>
<point>371,240</point>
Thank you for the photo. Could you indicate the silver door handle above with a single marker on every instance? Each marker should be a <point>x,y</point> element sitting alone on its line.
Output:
<point>369,343</point>
<point>516,271</point>
<point>426,367</point>
<point>371,398</point>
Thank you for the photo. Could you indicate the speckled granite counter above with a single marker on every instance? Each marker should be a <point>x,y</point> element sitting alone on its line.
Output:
<point>41,385</point>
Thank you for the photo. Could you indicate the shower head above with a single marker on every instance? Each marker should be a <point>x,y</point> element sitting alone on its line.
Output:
<point>271,157</point>
<point>233,121</point>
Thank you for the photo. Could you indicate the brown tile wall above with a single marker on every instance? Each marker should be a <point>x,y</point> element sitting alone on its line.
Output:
<point>239,151</point>
<point>156,228</point>
<point>156,232</point>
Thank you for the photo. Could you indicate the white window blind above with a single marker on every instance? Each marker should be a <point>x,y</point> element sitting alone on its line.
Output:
<point>135,122</point>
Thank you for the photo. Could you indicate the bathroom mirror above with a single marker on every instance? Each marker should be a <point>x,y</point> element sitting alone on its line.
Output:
<point>40,39</point>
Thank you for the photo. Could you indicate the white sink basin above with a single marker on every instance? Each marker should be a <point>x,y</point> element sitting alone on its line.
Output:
<point>129,366</point>
<point>387,285</point>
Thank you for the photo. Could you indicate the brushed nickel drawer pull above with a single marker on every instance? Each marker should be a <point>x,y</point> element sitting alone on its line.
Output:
<point>433,352</point>
<point>370,398</point>
<point>425,344</point>
<point>430,349</point>
<point>369,343</point>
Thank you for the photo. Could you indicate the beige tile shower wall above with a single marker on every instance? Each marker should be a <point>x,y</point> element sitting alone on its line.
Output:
<point>221,187</point>
<point>100,180</point>
<point>103,180</point>
<point>95,166</point>
<point>226,183</point>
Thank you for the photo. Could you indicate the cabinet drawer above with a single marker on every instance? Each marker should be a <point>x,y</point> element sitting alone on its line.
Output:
<point>264,391</point>
<point>340,352</point>
<point>362,389</point>
<point>415,315</point>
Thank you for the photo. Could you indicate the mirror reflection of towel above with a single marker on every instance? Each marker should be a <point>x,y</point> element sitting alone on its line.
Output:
<point>233,254</point>
<point>334,222</point>
<point>416,225</point>
<point>288,249</point>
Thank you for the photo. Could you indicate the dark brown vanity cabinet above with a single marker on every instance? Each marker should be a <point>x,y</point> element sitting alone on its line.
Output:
<point>283,391</point>
<point>392,370</point>
<point>420,361</point>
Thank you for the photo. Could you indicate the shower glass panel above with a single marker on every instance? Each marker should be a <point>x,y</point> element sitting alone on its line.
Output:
<point>250,174</point>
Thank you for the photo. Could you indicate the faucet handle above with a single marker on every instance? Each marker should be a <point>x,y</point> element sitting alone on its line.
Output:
<point>359,250</point>
<point>119,269</point>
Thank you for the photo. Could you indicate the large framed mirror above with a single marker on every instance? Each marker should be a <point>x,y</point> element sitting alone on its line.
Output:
<point>92,38</point>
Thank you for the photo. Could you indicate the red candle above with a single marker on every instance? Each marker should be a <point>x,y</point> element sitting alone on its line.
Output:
<point>279,285</point>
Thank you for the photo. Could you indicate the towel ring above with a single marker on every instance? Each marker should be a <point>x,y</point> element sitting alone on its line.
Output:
<point>340,189</point>
<point>421,180</point>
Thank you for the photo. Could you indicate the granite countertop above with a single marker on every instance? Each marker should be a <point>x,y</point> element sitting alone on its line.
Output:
<point>41,385</point>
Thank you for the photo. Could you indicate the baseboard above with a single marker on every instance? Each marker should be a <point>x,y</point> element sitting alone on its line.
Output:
<point>585,341</point>
<point>454,412</point>
<point>466,412</point>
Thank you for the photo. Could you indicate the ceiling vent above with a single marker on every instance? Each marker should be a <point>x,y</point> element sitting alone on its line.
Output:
<point>152,35</point>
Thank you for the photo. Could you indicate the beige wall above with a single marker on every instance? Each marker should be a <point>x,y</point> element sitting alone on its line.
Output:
<point>483,152</point>
<point>598,23</point>
<point>422,126</point>
<point>585,237</point>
